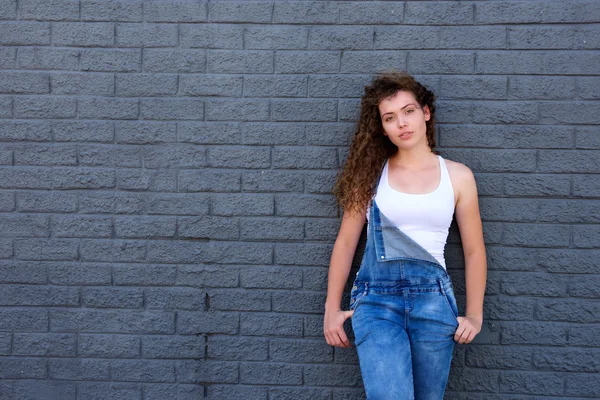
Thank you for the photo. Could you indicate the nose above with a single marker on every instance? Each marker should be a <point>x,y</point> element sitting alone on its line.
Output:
<point>401,122</point>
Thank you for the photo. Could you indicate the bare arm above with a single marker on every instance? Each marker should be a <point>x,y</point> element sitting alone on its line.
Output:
<point>469,223</point>
<point>341,257</point>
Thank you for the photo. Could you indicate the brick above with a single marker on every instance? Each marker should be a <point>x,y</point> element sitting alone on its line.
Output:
<point>472,37</point>
<point>372,61</point>
<point>143,370</point>
<point>275,86</point>
<point>473,380</point>
<point>438,13</point>
<point>29,389</point>
<point>110,390</point>
<point>531,12</point>
<point>24,82</point>
<point>279,325</point>
<point>569,113</point>
<point>574,161</point>
<point>83,34</point>
<point>532,383</point>
<point>451,62</point>
<point>237,348</point>
<point>44,344</point>
<point>208,227</point>
<point>320,181</point>
<point>103,297</point>
<point>272,133</point>
<point>173,347</point>
<point>168,109</point>
<point>341,37</point>
<point>112,250</point>
<point>44,107</point>
<point>295,301</point>
<point>537,185</point>
<point>145,227</point>
<point>22,272</point>
<point>572,360</point>
<point>118,203</point>
<point>196,322</point>
<point>557,37</point>
<point>568,310</point>
<point>148,179</point>
<point>112,321</point>
<point>406,37</point>
<point>370,14</point>
<point>240,300</point>
<point>91,83</point>
<point>586,138</point>
<point>24,33</point>
<point>497,357</point>
<point>111,345</point>
<point>237,392</point>
<point>505,161</point>
<point>586,186</point>
<point>176,11</point>
<point>270,374</point>
<point>252,11</point>
<point>48,58</point>
<point>586,236</point>
<point>112,10</point>
<point>146,85</point>
<point>271,278</point>
<point>571,260</point>
<point>146,35</point>
<point>584,335</point>
<point>299,12</point>
<point>243,204</point>
<point>240,62</point>
<point>140,132</point>
<point>108,108</point>
<point>22,368</point>
<point>571,63</point>
<point>174,60</point>
<point>272,181</point>
<point>302,253</point>
<point>582,385</point>
<point>145,275</point>
<point>338,375</point>
<point>276,37</point>
<point>105,156</point>
<point>174,298</point>
<point>79,369</point>
<point>209,132</point>
<point>271,229</point>
<point>81,226</point>
<point>83,131</point>
<point>180,155</point>
<point>509,62</point>
<point>541,87</point>
<point>24,320</point>
<point>304,351</point>
<point>306,62</point>
<point>533,333</point>
<point>207,371</point>
<point>158,391</point>
<point>179,204</point>
<point>212,36</point>
<point>34,295</point>
<point>46,249</point>
<point>214,85</point>
<point>473,88</point>
<point>111,60</point>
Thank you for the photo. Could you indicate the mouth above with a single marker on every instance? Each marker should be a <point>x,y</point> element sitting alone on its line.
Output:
<point>405,135</point>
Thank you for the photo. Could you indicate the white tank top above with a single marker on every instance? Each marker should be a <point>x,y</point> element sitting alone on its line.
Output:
<point>425,218</point>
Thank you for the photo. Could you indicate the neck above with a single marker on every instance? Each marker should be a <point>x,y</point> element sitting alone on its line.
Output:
<point>415,157</point>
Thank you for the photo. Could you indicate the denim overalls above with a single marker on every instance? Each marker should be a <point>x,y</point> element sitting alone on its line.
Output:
<point>404,316</point>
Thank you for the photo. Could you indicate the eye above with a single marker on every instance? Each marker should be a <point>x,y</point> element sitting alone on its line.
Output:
<point>410,110</point>
<point>388,119</point>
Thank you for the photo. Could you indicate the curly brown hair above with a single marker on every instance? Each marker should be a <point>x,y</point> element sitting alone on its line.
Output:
<point>369,149</point>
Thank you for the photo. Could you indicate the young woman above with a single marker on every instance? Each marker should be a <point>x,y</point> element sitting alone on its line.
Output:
<point>404,313</point>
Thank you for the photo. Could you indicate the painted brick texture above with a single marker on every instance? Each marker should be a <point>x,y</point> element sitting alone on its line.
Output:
<point>165,191</point>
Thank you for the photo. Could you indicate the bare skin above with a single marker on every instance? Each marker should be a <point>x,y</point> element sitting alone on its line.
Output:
<point>413,169</point>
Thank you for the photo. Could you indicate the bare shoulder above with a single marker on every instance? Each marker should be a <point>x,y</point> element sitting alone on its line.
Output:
<point>462,178</point>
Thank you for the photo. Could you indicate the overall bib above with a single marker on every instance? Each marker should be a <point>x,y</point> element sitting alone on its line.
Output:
<point>404,316</point>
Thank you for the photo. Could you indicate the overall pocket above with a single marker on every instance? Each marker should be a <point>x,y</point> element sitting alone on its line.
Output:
<point>450,300</point>
<point>357,293</point>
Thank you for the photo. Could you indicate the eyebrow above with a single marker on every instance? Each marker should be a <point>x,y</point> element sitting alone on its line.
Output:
<point>409,104</point>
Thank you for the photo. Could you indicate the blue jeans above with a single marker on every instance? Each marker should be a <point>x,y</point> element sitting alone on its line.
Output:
<point>404,317</point>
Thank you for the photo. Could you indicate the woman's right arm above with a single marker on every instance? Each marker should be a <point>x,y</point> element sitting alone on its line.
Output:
<point>339,269</point>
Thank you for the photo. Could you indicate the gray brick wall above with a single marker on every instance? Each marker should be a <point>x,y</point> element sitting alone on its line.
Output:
<point>165,175</point>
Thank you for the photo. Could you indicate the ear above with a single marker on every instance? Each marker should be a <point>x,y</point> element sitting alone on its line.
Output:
<point>427,113</point>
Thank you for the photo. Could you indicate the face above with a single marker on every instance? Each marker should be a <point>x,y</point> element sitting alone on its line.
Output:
<point>403,119</point>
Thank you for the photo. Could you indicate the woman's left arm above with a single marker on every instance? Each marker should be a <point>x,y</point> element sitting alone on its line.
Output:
<point>471,234</point>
